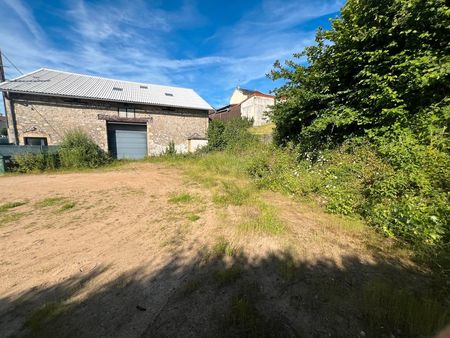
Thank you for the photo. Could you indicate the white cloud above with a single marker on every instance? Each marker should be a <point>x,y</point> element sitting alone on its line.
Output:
<point>134,41</point>
<point>26,17</point>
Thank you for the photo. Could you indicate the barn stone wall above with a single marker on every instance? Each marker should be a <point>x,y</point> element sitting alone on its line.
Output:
<point>38,116</point>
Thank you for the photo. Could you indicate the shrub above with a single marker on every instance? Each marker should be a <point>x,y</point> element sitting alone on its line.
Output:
<point>230,134</point>
<point>216,139</point>
<point>78,150</point>
<point>29,162</point>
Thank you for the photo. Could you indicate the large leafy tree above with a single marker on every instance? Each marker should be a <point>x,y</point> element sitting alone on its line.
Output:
<point>382,69</point>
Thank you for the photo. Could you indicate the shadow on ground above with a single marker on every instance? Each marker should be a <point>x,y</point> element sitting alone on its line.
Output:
<point>231,295</point>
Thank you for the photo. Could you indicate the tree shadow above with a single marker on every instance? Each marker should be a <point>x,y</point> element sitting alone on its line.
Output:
<point>233,295</point>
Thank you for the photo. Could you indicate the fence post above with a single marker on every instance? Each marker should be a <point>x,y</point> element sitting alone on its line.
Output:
<point>2,165</point>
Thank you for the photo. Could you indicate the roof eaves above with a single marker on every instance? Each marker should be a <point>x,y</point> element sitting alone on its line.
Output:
<point>106,100</point>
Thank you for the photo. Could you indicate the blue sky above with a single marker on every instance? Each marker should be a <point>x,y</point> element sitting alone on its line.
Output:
<point>210,46</point>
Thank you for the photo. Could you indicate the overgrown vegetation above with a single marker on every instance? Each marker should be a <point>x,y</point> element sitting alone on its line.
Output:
<point>30,162</point>
<point>365,122</point>
<point>78,150</point>
<point>227,135</point>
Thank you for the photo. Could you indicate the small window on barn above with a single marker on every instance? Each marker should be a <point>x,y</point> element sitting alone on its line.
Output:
<point>35,141</point>
<point>168,94</point>
<point>144,87</point>
<point>118,89</point>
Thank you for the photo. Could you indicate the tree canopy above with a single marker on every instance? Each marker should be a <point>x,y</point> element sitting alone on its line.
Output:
<point>382,69</point>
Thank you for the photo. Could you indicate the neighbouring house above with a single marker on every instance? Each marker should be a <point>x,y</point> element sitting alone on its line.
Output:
<point>251,104</point>
<point>128,119</point>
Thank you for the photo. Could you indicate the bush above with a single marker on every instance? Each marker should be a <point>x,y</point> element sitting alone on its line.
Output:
<point>216,140</point>
<point>78,150</point>
<point>29,162</point>
<point>230,134</point>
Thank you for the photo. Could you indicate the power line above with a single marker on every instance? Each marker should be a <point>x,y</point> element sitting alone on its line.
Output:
<point>12,63</point>
<point>32,106</point>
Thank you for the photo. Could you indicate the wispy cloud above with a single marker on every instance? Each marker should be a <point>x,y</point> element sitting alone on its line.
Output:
<point>26,17</point>
<point>139,41</point>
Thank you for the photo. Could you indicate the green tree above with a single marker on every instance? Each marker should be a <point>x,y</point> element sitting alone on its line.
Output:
<point>381,70</point>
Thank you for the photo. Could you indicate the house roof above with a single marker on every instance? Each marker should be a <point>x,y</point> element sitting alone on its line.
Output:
<point>50,82</point>
<point>248,92</point>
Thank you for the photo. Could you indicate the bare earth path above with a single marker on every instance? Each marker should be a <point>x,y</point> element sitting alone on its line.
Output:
<point>110,254</point>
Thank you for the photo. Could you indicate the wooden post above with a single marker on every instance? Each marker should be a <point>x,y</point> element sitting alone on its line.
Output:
<point>2,70</point>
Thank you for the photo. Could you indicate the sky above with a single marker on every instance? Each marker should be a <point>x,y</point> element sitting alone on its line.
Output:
<point>210,46</point>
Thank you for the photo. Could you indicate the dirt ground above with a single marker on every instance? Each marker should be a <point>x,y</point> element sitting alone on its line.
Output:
<point>115,253</point>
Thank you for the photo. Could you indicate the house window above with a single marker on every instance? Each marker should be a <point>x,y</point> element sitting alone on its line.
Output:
<point>127,112</point>
<point>35,141</point>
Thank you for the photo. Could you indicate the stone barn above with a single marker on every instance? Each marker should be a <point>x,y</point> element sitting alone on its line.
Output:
<point>127,119</point>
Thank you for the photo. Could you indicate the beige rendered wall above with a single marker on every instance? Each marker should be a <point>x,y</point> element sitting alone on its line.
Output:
<point>256,107</point>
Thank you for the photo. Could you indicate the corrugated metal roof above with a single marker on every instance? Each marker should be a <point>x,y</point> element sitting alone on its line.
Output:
<point>57,83</point>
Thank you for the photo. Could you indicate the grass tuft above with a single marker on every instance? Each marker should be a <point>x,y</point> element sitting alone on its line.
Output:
<point>11,205</point>
<point>180,198</point>
<point>223,248</point>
